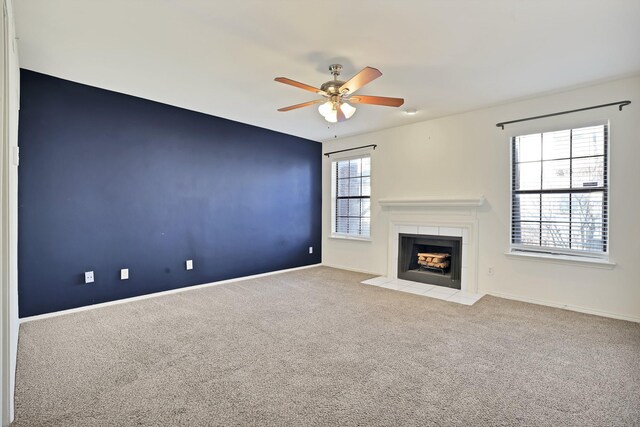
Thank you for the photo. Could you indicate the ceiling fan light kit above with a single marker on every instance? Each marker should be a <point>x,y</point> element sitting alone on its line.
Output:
<point>329,110</point>
<point>337,92</point>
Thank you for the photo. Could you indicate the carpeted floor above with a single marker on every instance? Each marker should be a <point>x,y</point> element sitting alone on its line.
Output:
<point>315,347</point>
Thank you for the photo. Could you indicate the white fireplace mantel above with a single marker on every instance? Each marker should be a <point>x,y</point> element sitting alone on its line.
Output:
<point>433,202</point>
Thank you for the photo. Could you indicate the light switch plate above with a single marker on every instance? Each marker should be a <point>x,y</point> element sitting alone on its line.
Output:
<point>189,264</point>
<point>310,249</point>
<point>88,277</point>
<point>124,274</point>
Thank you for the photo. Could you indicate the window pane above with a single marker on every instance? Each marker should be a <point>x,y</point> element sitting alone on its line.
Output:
<point>528,147</point>
<point>343,169</point>
<point>342,225</point>
<point>354,167</point>
<point>354,225</point>
<point>588,172</point>
<point>355,186</point>
<point>366,226</point>
<point>342,207</point>
<point>354,207</point>
<point>556,145</point>
<point>528,176</point>
<point>528,233</point>
<point>366,208</point>
<point>588,141</point>
<point>556,207</point>
<point>526,207</point>
<point>555,235</point>
<point>587,216</point>
<point>555,174</point>
<point>343,187</point>
<point>366,166</point>
<point>366,186</point>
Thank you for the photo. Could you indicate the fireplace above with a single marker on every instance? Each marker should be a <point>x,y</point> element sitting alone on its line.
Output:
<point>435,260</point>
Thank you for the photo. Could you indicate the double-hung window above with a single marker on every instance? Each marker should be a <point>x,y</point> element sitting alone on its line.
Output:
<point>351,197</point>
<point>560,191</point>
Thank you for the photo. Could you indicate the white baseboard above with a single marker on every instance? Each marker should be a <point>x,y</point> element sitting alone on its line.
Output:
<point>256,276</point>
<point>565,306</point>
<point>159,294</point>
<point>341,267</point>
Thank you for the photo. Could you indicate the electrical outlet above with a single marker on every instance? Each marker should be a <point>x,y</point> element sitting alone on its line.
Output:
<point>189,264</point>
<point>310,249</point>
<point>124,274</point>
<point>88,277</point>
<point>490,271</point>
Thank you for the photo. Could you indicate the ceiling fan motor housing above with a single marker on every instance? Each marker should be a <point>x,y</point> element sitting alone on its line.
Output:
<point>333,86</point>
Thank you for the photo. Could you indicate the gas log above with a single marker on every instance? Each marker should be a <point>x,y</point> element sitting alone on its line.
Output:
<point>434,260</point>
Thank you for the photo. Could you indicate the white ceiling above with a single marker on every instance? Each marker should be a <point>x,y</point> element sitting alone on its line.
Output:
<point>220,57</point>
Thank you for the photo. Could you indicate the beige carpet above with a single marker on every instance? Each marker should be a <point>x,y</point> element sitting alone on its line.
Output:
<point>315,347</point>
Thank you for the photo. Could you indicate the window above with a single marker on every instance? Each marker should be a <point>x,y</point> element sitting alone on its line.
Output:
<point>351,191</point>
<point>560,192</point>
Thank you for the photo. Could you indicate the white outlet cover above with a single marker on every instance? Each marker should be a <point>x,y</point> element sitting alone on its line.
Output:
<point>88,277</point>
<point>189,264</point>
<point>124,274</point>
<point>310,249</point>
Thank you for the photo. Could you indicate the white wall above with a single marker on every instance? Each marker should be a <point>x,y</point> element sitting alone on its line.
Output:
<point>467,155</point>
<point>9,325</point>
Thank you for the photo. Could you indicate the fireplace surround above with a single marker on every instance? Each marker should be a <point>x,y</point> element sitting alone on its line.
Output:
<point>453,217</point>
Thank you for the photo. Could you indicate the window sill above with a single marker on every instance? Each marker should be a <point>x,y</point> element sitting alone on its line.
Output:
<point>358,239</point>
<point>563,259</point>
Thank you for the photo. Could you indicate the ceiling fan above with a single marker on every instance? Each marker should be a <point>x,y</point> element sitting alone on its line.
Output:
<point>338,95</point>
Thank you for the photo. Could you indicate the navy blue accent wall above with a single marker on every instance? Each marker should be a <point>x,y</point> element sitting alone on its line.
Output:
<point>110,181</point>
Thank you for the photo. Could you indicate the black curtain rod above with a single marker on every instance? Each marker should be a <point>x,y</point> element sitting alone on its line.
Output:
<point>620,104</point>
<point>349,149</point>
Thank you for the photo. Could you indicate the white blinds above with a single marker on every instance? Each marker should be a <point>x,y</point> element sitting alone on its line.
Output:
<point>560,191</point>
<point>352,204</point>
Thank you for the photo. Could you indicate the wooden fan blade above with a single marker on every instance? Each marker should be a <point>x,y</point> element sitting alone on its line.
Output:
<point>304,104</point>
<point>365,76</point>
<point>300,85</point>
<point>376,100</point>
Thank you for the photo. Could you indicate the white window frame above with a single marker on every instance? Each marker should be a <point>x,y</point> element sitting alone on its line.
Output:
<point>553,252</point>
<point>332,165</point>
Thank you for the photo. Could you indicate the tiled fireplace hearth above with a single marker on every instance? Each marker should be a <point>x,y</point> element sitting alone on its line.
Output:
<point>449,218</point>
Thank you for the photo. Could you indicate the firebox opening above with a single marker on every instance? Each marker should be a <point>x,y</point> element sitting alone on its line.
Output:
<point>435,260</point>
